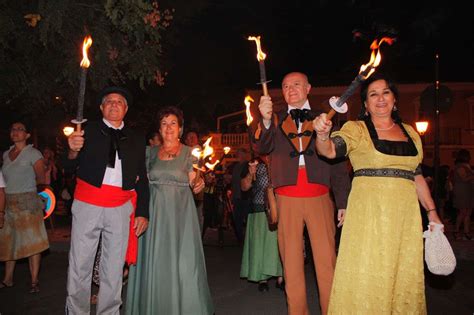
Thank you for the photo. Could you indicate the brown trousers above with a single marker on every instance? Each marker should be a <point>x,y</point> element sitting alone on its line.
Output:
<point>318,215</point>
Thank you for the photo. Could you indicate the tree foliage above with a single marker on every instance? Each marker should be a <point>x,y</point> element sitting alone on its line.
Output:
<point>41,41</point>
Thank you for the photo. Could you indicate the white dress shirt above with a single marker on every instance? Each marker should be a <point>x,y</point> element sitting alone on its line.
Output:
<point>305,106</point>
<point>113,176</point>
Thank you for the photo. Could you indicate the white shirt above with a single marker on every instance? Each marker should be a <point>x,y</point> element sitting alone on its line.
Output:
<point>2,181</point>
<point>113,176</point>
<point>305,106</point>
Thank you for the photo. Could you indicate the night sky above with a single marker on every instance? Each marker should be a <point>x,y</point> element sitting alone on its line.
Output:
<point>212,63</point>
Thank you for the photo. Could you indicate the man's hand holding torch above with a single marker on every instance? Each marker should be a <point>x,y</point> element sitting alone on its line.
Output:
<point>266,109</point>
<point>75,142</point>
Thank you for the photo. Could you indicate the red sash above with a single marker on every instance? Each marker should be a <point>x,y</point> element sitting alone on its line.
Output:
<point>111,196</point>
<point>302,188</point>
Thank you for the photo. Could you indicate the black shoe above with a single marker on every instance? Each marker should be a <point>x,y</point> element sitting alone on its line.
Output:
<point>280,286</point>
<point>263,286</point>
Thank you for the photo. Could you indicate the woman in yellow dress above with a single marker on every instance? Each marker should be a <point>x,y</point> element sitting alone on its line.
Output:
<point>379,268</point>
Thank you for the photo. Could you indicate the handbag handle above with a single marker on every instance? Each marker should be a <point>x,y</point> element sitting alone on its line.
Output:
<point>433,227</point>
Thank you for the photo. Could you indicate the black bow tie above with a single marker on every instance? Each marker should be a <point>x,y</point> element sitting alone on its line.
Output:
<point>306,133</point>
<point>116,135</point>
<point>300,116</point>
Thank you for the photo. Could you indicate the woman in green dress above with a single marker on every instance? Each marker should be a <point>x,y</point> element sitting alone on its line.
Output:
<point>260,258</point>
<point>379,268</point>
<point>170,276</point>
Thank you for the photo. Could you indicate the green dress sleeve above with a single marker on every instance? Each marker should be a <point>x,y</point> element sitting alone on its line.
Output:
<point>189,159</point>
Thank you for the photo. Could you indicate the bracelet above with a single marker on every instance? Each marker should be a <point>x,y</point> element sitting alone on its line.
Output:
<point>428,211</point>
<point>323,139</point>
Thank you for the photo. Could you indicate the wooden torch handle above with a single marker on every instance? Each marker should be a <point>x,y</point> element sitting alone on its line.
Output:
<point>265,89</point>
<point>331,114</point>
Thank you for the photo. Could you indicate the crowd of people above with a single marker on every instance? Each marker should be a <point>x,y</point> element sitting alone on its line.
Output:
<point>140,213</point>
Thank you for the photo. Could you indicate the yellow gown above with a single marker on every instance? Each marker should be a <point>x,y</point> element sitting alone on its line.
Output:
<point>379,268</point>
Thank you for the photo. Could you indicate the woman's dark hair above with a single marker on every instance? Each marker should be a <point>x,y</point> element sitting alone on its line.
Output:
<point>171,110</point>
<point>463,156</point>
<point>24,122</point>
<point>27,125</point>
<point>363,115</point>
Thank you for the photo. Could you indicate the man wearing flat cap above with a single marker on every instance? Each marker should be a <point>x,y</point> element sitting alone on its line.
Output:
<point>111,199</point>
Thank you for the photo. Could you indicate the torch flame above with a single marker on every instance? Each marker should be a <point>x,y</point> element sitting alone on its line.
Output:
<point>211,166</point>
<point>226,150</point>
<point>196,152</point>
<point>260,54</point>
<point>375,59</point>
<point>85,63</point>
<point>202,154</point>
<point>247,101</point>
<point>205,152</point>
<point>208,150</point>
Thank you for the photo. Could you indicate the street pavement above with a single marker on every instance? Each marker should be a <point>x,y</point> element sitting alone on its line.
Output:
<point>453,294</point>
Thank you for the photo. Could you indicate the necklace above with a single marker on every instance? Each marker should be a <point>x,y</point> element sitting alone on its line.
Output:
<point>385,129</point>
<point>172,153</point>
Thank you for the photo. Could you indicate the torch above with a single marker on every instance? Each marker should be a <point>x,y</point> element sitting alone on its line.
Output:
<point>226,151</point>
<point>261,63</point>
<point>85,63</point>
<point>201,155</point>
<point>338,104</point>
<point>219,161</point>
<point>248,99</point>
<point>248,113</point>
<point>211,166</point>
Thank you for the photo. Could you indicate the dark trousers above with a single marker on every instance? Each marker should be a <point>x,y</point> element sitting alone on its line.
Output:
<point>209,212</point>
<point>241,210</point>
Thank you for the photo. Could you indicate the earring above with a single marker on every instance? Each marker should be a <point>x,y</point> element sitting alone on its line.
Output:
<point>394,108</point>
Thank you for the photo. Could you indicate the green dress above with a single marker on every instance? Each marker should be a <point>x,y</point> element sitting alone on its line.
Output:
<point>260,257</point>
<point>379,267</point>
<point>170,276</point>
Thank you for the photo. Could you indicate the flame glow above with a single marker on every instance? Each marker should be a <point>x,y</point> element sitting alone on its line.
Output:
<point>226,150</point>
<point>247,101</point>
<point>85,63</point>
<point>68,131</point>
<point>375,59</point>
<point>205,152</point>
<point>202,154</point>
<point>260,54</point>
<point>211,166</point>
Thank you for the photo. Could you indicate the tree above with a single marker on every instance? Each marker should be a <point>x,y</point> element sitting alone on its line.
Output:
<point>40,49</point>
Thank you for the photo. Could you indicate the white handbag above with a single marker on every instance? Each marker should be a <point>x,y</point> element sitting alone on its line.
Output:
<point>439,255</point>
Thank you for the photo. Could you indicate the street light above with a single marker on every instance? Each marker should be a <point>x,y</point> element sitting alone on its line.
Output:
<point>421,127</point>
<point>68,131</point>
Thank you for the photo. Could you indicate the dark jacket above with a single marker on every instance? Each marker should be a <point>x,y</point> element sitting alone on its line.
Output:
<point>91,162</point>
<point>281,141</point>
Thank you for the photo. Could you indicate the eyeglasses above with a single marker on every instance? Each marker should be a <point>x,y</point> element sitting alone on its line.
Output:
<point>17,129</point>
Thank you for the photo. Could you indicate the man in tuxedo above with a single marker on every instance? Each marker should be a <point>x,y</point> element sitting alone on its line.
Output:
<point>303,184</point>
<point>111,199</point>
